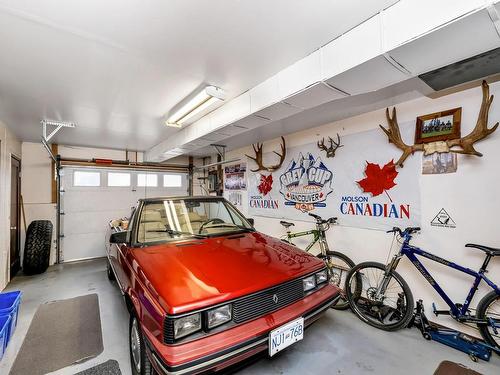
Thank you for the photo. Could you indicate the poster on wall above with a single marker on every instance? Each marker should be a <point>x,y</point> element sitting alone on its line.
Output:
<point>439,163</point>
<point>234,197</point>
<point>234,177</point>
<point>234,183</point>
<point>360,185</point>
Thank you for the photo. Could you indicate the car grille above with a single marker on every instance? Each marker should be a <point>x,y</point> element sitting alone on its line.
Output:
<point>267,301</point>
<point>253,306</point>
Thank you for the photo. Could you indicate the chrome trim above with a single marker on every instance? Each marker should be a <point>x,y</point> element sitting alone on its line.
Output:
<point>212,361</point>
<point>216,360</point>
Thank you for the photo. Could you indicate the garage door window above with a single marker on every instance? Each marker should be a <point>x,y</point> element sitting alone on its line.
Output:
<point>172,180</point>
<point>118,179</point>
<point>85,178</point>
<point>147,180</point>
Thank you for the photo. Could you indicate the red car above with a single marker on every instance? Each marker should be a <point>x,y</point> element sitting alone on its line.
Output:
<point>205,290</point>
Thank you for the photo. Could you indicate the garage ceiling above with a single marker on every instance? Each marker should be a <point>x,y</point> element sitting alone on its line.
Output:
<point>115,68</point>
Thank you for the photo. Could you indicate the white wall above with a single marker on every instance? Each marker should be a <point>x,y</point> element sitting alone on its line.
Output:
<point>9,145</point>
<point>470,196</point>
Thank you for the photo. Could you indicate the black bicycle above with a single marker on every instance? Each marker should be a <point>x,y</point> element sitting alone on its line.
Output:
<point>338,264</point>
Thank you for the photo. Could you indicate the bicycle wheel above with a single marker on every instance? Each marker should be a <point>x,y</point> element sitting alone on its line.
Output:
<point>489,309</point>
<point>338,265</point>
<point>388,310</point>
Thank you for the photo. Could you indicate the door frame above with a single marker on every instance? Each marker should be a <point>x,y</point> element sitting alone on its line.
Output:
<point>18,221</point>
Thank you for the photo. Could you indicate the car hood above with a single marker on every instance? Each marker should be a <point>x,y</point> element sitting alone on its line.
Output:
<point>195,274</point>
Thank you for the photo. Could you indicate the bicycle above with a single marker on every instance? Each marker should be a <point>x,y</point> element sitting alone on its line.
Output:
<point>337,263</point>
<point>384,300</point>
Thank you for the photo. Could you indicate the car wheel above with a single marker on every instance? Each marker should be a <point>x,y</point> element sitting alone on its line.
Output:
<point>139,361</point>
<point>109,272</point>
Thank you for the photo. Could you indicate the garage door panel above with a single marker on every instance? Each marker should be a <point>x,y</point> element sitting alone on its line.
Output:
<point>91,222</point>
<point>88,210</point>
<point>81,201</point>
<point>72,245</point>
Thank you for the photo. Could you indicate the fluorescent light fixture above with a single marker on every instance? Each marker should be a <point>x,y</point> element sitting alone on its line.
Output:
<point>202,103</point>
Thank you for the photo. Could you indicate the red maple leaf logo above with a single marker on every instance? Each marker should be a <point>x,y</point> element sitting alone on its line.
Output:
<point>266,184</point>
<point>379,180</point>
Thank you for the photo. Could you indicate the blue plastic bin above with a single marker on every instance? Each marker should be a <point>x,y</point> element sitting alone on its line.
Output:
<point>4,329</point>
<point>9,306</point>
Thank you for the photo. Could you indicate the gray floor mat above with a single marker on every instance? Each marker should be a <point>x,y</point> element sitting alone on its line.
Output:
<point>110,367</point>
<point>61,333</point>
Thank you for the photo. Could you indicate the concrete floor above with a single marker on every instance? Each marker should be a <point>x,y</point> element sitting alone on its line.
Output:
<point>338,343</point>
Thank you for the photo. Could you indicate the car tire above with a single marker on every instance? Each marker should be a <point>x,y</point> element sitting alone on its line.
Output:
<point>37,247</point>
<point>110,272</point>
<point>139,361</point>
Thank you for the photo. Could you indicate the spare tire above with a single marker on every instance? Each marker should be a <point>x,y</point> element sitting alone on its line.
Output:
<point>37,247</point>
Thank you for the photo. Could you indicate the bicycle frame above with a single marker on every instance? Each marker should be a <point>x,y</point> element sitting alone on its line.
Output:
<point>318,235</point>
<point>457,311</point>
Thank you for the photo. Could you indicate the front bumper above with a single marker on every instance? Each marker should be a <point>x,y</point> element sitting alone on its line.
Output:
<point>310,308</point>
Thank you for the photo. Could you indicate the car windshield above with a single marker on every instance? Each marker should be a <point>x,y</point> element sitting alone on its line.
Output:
<point>174,219</point>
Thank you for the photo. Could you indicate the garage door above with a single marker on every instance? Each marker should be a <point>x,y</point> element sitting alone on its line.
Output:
<point>91,197</point>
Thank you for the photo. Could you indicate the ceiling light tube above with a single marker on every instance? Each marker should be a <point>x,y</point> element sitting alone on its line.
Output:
<point>202,101</point>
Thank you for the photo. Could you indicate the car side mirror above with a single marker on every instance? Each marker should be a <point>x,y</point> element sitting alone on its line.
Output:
<point>251,221</point>
<point>118,237</point>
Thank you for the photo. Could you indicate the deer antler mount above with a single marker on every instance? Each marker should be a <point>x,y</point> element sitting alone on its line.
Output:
<point>257,148</point>
<point>466,143</point>
<point>330,150</point>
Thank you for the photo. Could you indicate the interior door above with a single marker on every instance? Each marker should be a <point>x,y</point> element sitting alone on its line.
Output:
<point>15,217</point>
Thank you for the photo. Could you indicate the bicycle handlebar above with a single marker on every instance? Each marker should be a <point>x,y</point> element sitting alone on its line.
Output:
<point>409,230</point>
<point>320,220</point>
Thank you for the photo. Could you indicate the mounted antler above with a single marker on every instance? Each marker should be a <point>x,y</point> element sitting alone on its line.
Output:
<point>466,143</point>
<point>481,129</point>
<point>330,151</point>
<point>394,136</point>
<point>257,148</point>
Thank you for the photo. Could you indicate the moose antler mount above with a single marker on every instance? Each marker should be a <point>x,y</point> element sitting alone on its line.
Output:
<point>330,150</point>
<point>257,148</point>
<point>466,143</point>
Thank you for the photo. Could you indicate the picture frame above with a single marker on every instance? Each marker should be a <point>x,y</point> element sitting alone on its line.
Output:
<point>438,126</point>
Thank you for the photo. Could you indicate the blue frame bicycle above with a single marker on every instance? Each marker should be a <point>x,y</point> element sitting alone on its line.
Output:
<point>379,296</point>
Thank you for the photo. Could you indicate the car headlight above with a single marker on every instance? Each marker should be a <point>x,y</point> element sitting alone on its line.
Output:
<point>309,283</point>
<point>219,316</point>
<point>321,277</point>
<point>187,325</point>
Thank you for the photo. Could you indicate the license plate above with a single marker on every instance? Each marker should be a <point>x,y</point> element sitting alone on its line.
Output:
<point>286,335</point>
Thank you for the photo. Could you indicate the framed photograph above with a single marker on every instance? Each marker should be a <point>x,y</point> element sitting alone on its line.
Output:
<point>439,126</point>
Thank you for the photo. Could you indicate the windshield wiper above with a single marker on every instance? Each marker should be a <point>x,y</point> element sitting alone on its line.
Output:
<point>229,225</point>
<point>178,233</point>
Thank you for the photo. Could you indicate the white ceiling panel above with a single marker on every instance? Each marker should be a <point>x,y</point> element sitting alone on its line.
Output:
<point>370,76</point>
<point>314,95</point>
<point>278,111</point>
<point>462,39</point>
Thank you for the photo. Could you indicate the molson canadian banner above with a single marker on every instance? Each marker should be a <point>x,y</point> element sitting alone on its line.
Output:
<point>360,185</point>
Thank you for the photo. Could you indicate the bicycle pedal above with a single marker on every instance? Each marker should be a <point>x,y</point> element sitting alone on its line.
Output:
<point>439,312</point>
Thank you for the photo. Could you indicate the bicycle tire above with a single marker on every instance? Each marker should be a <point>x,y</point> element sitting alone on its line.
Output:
<point>342,303</point>
<point>482,308</point>
<point>352,297</point>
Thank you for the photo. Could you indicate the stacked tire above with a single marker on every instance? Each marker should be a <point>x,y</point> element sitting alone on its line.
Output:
<point>37,247</point>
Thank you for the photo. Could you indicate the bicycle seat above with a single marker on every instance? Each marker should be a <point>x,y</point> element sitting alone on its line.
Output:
<point>286,224</point>
<point>488,250</point>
